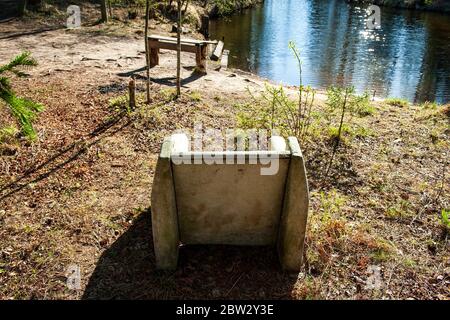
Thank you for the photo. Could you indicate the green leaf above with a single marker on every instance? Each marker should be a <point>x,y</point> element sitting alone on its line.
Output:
<point>24,110</point>
<point>445,218</point>
<point>23,59</point>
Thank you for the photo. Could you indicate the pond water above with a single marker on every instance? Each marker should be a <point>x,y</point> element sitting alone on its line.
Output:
<point>407,57</point>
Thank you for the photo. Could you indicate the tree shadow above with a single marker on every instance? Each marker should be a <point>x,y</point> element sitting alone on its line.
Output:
<point>171,81</point>
<point>64,156</point>
<point>30,33</point>
<point>168,81</point>
<point>126,270</point>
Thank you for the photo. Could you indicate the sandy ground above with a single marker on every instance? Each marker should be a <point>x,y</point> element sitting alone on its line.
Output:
<point>116,58</point>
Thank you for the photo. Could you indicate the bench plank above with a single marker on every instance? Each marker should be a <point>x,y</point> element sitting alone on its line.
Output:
<point>183,40</point>
<point>199,47</point>
<point>172,46</point>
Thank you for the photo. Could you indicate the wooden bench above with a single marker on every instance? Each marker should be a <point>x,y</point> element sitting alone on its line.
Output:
<point>199,47</point>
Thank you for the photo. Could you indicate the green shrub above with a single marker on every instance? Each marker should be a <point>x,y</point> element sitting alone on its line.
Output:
<point>396,102</point>
<point>275,109</point>
<point>361,105</point>
<point>356,104</point>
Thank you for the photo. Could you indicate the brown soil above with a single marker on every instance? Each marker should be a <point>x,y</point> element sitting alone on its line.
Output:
<point>81,193</point>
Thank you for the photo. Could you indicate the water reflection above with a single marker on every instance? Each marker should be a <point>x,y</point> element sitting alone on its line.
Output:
<point>408,57</point>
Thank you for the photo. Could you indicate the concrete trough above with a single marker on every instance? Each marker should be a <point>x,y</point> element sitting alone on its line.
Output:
<point>234,198</point>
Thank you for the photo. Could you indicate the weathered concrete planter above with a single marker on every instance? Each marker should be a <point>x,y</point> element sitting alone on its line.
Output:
<point>231,202</point>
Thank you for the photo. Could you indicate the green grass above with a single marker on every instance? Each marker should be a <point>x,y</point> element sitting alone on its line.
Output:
<point>331,203</point>
<point>363,132</point>
<point>168,94</point>
<point>380,255</point>
<point>445,218</point>
<point>8,133</point>
<point>397,102</point>
<point>366,110</point>
<point>118,102</point>
<point>349,132</point>
<point>195,96</point>
<point>402,209</point>
<point>409,263</point>
<point>429,105</point>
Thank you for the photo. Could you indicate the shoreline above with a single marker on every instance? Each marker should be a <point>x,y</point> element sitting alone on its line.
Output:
<point>216,13</point>
<point>439,7</point>
<point>126,35</point>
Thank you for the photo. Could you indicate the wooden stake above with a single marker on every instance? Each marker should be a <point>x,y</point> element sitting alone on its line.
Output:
<point>205,26</point>
<point>179,49</point>
<point>132,94</point>
<point>147,49</point>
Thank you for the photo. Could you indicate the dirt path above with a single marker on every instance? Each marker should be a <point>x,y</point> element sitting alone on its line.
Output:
<point>115,58</point>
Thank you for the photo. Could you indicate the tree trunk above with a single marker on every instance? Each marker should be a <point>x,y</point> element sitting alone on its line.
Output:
<point>23,7</point>
<point>179,49</point>
<point>110,9</point>
<point>103,7</point>
<point>147,51</point>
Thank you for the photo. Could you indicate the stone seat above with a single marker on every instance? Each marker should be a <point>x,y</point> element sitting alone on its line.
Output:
<point>232,198</point>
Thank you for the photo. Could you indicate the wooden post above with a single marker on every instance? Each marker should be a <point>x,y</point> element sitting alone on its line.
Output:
<point>198,55</point>
<point>154,52</point>
<point>204,29</point>
<point>132,94</point>
<point>147,49</point>
<point>22,7</point>
<point>179,49</point>
<point>200,58</point>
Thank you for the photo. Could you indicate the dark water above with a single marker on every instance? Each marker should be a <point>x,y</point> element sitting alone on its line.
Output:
<point>408,57</point>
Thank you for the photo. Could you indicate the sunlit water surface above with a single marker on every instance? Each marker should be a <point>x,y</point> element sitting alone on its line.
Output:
<point>408,57</point>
